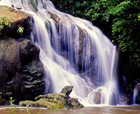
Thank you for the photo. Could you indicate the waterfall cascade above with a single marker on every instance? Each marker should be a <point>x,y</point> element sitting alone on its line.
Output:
<point>135,93</point>
<point>73,52</point>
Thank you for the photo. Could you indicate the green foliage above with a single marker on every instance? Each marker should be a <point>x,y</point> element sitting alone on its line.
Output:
<point>125,29</point>
<point>20,30</point>
<point>139,17</point>
<point>74,7</point>
<point>34,4</point>
<point>11,103</point>
<point>4,22</point>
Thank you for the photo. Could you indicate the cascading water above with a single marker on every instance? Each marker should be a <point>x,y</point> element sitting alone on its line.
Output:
<point>73,52</point>
<point>135,93</point>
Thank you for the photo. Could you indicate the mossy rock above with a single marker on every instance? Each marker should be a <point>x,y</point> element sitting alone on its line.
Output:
<point>53,101</point>
<point>42,103</point>
<point>17,19</point>
<point>12,14</point>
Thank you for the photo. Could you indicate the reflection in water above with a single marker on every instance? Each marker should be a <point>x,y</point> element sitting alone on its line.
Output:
<point>92,110</point>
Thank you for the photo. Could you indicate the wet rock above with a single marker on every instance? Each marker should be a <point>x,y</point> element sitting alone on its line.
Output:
<point>136,94</point>
<point>21,71</point>
<point>74,103</point>
<point>97,98</point>
<point>54,100</point>
<point>2,101</point>
<point>124,100</point>
<point>67,90</point>
<point>28,51</point>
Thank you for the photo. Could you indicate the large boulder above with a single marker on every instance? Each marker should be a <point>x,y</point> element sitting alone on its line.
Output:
<point>21,71</point>
<point>54,100</point>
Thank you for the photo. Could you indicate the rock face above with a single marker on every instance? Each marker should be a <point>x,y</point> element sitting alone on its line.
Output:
<point>54,100</point>
<point>21,71</point>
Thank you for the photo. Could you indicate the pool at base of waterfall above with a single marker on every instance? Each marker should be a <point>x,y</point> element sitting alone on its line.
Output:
<point>133,109</point>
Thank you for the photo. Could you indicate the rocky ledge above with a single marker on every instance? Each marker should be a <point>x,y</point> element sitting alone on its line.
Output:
<point>21,71</point>
<point>54,100</point>
<point>16,19</point>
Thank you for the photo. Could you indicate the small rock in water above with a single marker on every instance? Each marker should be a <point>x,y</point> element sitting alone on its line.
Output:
<point>12,6</point>
<point>18,8</point>
<point>97,98</point>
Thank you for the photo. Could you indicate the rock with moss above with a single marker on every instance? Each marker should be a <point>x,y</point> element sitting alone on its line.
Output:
<point>74,103</point>
<point>17,19</point>
<point>21,71</point>
<point>54,101</point>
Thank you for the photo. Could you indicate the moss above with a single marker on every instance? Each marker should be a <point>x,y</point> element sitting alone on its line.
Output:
<point>34,4</point>
<point>54,17</point>
<point>42,103</point>
<point>54,101</point>
<point>57,106</point>
<point>12,14</point>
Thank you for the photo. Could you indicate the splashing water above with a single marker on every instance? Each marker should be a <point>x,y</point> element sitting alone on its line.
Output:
<point>73,52</point>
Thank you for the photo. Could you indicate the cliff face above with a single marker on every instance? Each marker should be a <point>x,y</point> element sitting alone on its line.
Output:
<point>21,71</point>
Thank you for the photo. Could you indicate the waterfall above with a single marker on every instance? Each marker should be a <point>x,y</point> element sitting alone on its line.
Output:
<point>73,52</point>
<point>135,93</point>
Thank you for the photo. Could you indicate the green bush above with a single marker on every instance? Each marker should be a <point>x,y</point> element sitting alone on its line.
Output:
<point>4,22</point>
<point>20,30</point>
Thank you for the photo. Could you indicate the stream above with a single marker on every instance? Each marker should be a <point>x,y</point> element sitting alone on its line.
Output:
<point>133,109</point>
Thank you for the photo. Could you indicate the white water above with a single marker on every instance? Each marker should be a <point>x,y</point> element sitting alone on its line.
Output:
<point>135,93</point>
<point>62,70</point>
